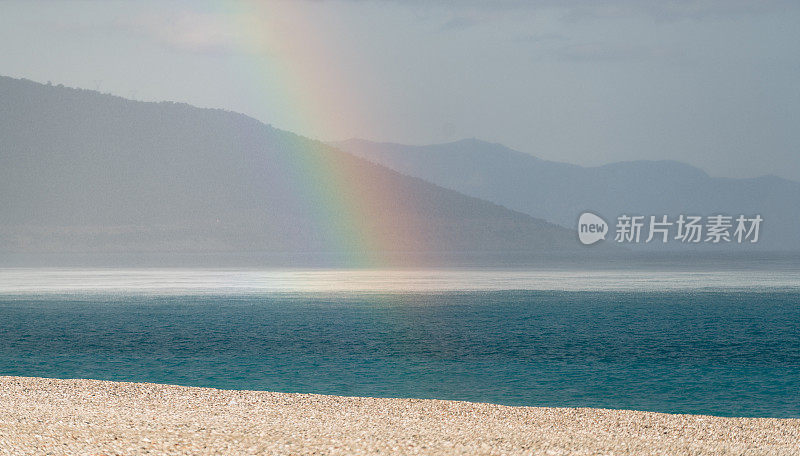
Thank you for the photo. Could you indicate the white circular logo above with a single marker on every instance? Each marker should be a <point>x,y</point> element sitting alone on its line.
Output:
<point>591,228</point>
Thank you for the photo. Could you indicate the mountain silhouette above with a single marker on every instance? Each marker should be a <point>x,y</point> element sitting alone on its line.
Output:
<point>82,171</point>
<point>559,192</point>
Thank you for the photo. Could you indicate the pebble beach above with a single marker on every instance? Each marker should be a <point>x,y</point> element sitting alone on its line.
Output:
<point>81,417</point>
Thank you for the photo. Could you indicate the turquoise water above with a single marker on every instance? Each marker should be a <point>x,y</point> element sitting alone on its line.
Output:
<point>724,351</point>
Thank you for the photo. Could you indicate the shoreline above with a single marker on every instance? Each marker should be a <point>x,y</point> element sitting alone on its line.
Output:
<point>54,416</point>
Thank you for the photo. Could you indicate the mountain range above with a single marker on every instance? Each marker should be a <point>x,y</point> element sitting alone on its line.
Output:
<point>82,171</point>
<point>559,192</point>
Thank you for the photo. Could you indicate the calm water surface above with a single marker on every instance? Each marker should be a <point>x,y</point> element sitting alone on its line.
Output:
<point>713,343</point>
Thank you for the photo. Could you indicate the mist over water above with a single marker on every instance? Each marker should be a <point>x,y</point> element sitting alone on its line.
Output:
<point>253,281</point>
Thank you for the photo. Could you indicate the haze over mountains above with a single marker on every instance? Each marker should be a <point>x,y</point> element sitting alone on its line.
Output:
<point>559,192</point>
<point>85,172</point>
<point>82,171</point>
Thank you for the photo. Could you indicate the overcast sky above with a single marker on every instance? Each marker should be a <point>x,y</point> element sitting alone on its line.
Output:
<point>711,83</point>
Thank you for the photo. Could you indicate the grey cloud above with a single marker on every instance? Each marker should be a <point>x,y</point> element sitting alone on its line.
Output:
<point>459,23</point>
<point>577,9</point>
<point>540,38</point>
<point>596,52</point>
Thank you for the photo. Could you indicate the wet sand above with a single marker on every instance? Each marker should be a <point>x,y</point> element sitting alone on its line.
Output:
<point>49,416</point>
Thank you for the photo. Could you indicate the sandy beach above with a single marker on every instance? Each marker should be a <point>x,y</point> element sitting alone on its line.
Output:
<point>50,416</point>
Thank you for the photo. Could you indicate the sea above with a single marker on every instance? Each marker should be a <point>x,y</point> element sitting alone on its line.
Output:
<point>723,343</point>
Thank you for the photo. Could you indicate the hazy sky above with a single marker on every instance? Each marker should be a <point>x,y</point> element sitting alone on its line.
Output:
<point>712,83</point>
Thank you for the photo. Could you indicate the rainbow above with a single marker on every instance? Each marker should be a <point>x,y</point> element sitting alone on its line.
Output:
<point>289,53</point>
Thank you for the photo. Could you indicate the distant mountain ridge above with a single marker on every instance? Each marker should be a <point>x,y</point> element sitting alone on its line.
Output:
<point>82,171</point>
<point>559,192</point>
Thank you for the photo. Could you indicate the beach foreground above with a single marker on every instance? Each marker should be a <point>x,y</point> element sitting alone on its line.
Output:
<point>50,416</point>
